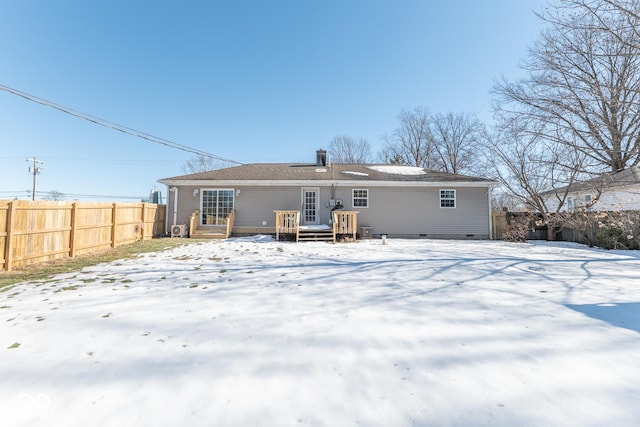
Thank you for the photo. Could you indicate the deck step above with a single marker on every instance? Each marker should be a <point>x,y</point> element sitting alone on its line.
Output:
<point>315,236</point>
<point>198,235</point>
<point>215,232</point>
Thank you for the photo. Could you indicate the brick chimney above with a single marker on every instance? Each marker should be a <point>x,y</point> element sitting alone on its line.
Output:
<point>321,158</point>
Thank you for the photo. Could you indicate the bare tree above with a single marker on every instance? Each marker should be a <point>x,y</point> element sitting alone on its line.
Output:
<point>528,166</point>
<point>201,163</point>
<point>504,201</point>
<point>388,157</point>
<point>618,17</point>
<point>444,142</point>
<point>54,196</point>
<point>411,143</point>
<point>582,86</point>
<point>456,141</point>
<point>347,150</point>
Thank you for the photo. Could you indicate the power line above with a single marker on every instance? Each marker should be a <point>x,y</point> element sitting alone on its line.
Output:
<point>114,126</point>
<point>100,196</point>
<point>41,193</point>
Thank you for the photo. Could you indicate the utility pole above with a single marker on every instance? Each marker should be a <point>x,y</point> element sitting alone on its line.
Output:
<point>35,169</point>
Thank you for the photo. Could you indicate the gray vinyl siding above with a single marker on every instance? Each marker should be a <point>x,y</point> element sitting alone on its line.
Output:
<point>400,212</point>
<point>256,204</point>
<point>187,204</point>
<point>416,212</point>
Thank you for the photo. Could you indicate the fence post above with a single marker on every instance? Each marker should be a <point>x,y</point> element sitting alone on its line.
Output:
<point>143,221</point>
<point>113,225</point>
<point>8,252</point>
<point>72,234</point>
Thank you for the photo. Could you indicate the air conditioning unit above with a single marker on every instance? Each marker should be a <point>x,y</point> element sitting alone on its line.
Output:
<point>179,230</point>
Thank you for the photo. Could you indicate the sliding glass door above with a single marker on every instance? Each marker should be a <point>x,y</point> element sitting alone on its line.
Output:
<point>216,206</point>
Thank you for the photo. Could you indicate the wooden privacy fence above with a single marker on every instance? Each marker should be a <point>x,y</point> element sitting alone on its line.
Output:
<point>34,232</point>
<point>499,224</point>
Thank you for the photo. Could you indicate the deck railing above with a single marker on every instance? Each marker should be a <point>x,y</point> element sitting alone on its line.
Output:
<point>345,223</point>
<point>287,222</point>
<point>229,222</point>
<point>194,225</point>
<point>193,222</point>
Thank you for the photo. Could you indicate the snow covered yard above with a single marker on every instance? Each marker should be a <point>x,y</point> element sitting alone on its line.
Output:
<point>255,332</point>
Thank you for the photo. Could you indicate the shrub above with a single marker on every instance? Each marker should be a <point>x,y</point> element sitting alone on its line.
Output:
<point>516,229</point>
<point>615,238</point>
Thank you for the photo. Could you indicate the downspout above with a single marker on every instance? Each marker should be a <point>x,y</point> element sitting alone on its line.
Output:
<point>166,211</point>
<point>175,204</point>
<point>489,189</point>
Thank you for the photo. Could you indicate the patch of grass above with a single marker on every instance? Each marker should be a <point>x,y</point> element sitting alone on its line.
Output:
<point>14,345</point>
<point>104,316</point>
<point>111,280</point>
<point>68,265</point>
<point>68,288</point>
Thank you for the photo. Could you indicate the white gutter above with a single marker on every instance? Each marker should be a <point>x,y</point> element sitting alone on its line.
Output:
<point>322,183</point>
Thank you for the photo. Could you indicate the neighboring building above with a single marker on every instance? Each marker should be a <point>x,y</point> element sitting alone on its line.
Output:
<point>612,191</point>
<point>399,201</point>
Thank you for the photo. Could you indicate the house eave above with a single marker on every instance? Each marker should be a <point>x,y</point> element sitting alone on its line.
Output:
<point>322,183</point>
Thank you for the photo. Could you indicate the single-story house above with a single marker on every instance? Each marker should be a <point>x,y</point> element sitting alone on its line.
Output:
<point>611,191</point>
<point>391,200</point>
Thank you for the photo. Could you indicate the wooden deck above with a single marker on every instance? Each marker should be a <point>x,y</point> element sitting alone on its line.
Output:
<point>216,231</point>
<point>344,226</point>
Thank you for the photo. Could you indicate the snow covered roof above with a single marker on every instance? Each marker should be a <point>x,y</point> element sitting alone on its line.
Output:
<point>398,169</point>
<point>284,173</point>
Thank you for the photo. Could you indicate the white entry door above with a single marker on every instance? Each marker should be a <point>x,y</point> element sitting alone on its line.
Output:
<point>310,206</point>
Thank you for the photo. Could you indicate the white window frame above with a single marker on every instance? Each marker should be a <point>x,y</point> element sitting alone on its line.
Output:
<point>218,215</point>
<point>354,198</point>
<point>444,192</point>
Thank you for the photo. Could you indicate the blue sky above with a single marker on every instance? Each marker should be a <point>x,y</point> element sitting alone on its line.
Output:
<point>253,81</point>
